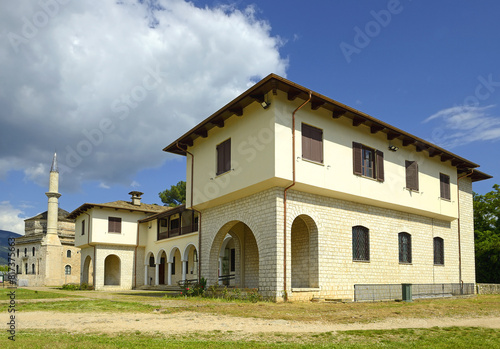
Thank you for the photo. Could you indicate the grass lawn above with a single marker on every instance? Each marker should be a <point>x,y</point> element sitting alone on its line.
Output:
<point>451,337</point>
<point>23,294</point>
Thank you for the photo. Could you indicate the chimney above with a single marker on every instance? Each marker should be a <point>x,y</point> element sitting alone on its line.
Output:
<point>136,197</point>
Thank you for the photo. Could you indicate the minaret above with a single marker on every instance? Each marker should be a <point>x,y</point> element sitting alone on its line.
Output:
<point>51,238</point>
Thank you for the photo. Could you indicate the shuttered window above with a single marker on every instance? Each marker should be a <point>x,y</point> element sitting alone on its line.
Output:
<point>312,143</point>
<point>114,225</point>
<point>83,227</point>
<point>360,243</point>
<point>224,157</point>
<point>367,162</point>
<point>404,247</point>
<point>438,251</point>
<point>411,175</point>
<point>444,181</point>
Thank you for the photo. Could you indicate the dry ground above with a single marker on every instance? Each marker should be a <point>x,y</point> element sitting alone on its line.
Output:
<point>179,316</point>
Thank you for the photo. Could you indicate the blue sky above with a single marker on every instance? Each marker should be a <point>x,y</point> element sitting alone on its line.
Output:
<point>109,84</point>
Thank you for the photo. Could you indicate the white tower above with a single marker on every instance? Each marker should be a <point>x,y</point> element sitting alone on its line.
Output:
<point>51,238</point>
<point>52,266</point>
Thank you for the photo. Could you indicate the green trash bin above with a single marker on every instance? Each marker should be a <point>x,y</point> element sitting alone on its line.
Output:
<point>407,295</point>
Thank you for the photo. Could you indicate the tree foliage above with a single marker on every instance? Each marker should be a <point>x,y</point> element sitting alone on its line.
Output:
<point>487,235</point>
<point>174,196</point>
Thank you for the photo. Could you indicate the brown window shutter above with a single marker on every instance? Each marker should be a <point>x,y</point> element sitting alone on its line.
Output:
<point>356,158</point>
<point>312,143</point>
<point>227,155</point>
<point>411,175</point>
<point>220,159</point>
<point>444,186</point>
<point>379,165</point>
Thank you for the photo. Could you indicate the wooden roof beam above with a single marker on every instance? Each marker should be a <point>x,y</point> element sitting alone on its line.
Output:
<point>236,110</point>
<point>356,121</point>
<point>392,135</point>
<point>376,128</point>
<point>408,141</point>
<point>202,133</point>
<point>337,113</point>
<point>292,94</point>
<point>445,157</point>
<point>219,123</point>
<point>434,152</point>
<point>316,104</point>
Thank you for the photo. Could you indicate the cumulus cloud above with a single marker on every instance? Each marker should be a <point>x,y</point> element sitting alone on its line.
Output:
<point>11,218</point>
<point>108,84</point>
<point>461,125</point>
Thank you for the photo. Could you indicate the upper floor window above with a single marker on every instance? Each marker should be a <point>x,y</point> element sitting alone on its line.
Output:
<point>360,243</point>
<point>404,247</point>
<point>114,225</point>
<point>25,252</point>
<point>368,162</point>
<point>33,250</point>
<point>438,251</point>
<point>224,157</point>
<point>411,175</point>
<point>17,253</point>
<point>312,143</point>
<point>83,227</point>
<point>68,253</point>
<point>444,182</point>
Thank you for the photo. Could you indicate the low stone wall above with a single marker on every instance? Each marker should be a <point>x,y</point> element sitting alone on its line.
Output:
<point>488,288</point>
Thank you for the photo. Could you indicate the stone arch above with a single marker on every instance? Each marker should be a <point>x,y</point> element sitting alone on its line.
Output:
<point>112,270</point>
<point>191,256</point>
<point>244,259</point>
<point>175,264</point>
<point>149,271</point>
<point>88,271</point>
<point>304,252</point>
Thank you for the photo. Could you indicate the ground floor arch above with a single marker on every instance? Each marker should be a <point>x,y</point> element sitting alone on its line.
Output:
<point>112,270</point>
<point>304,253</point>
<point>234,257</point>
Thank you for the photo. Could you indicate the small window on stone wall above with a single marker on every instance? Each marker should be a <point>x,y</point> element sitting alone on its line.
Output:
<point>67,270</point>
<point>360,243</point>
<point>68,253</point>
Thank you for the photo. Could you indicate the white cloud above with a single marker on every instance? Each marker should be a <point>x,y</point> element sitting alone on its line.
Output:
<point>10,218</point>
<point>135,184</point>
<point>461,125</point>
<point>104,186</point>
<point>109,84</point>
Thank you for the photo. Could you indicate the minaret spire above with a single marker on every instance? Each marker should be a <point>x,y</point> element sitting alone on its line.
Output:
<point>54,168</point>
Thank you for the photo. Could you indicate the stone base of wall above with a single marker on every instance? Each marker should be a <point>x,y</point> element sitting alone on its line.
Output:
<point>488,288</point>
<point>303,294</point>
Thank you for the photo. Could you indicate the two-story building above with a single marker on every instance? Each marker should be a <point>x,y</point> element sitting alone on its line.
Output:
<point>301,196</point>
<point>128,244</point>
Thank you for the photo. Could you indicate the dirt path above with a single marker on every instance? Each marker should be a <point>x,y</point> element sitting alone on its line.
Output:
<point>193,322</point>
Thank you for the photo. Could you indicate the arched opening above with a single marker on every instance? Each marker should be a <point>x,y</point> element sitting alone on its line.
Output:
<point>67,269</point>
<point>175,265</point>
<point>88,271</point>
<point>234,256</point>
<point>162,269</point>
<point>304,243</point>
<point>112,270</point>
<point>150,269</point>
<point>191,256</point>
<point>68,254</point>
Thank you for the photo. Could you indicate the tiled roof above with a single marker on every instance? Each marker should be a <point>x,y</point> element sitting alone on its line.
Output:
<point>120,204</point>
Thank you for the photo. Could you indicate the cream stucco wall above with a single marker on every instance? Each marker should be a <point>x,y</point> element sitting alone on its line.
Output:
<point>261,158</point>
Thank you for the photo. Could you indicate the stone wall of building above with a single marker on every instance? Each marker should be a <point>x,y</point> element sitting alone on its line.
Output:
<point>126,266</point>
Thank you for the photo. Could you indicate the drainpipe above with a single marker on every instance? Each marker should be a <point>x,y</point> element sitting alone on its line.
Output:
<point>459,244</point>
<point>285,191</point>
<point>199,213</point>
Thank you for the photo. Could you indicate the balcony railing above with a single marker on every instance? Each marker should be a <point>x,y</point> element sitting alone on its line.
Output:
<point>188,229</point>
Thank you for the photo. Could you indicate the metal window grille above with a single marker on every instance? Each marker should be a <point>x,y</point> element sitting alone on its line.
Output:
<point>67,270</point>
<point>438,251</point>
<point>404,248</point>
<point>360,243</point>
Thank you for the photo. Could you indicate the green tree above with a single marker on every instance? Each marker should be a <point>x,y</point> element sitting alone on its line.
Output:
<point>174,196</point>
<point>487,235</point>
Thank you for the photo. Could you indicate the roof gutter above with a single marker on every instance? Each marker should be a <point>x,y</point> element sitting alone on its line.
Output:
<point>285,197</point>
